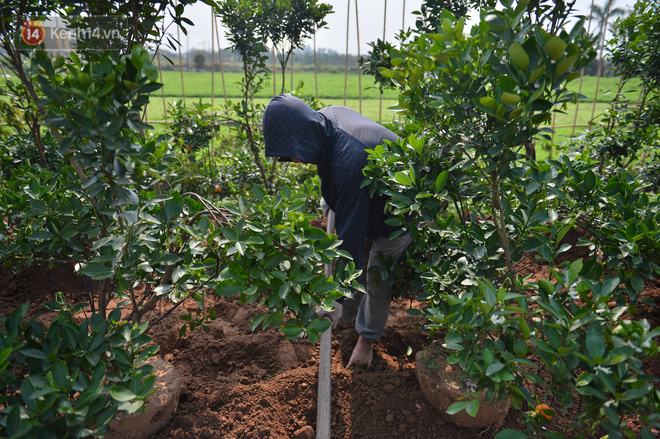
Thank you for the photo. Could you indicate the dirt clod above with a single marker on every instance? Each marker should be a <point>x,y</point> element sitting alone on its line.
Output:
<point>306,432</point>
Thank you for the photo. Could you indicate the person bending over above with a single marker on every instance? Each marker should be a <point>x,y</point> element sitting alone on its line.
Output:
<point>335,139</point>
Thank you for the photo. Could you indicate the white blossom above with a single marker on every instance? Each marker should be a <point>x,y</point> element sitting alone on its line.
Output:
<point>497,320</point>
<point>603,369</point>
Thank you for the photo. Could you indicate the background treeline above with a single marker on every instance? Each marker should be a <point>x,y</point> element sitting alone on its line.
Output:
<point>327,60</point>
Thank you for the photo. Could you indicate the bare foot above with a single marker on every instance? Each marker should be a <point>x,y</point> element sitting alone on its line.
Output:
<point>363,353</point>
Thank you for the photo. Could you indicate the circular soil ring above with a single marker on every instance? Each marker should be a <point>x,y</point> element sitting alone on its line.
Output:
<point>160,407</point>
<point>443,386</point>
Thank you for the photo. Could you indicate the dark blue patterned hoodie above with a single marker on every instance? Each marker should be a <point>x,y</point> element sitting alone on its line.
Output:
<point>334,139</point>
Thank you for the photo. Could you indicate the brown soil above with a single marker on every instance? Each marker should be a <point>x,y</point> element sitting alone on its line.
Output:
<point>240,384</point>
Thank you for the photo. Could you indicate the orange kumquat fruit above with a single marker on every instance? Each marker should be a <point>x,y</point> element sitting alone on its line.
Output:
<point>544,410</point>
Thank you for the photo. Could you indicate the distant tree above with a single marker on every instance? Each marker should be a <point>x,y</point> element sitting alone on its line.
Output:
<point>289,23</point>
<point>199,60</point>
<point>244,20</point>
<point>603,15</point>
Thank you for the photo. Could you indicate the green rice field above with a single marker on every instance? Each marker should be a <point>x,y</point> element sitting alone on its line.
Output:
<point>361,95</point>
<point>331,86</point>
<point>358,92</point>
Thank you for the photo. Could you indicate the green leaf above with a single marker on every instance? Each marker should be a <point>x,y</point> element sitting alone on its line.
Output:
<point>324,288</point>
<point>636,393</point>
<point>637,283</point>
<point>321,325</point>
<point>131,407</point>
<point>157,199</point>
<point>174,206</point>
<point>562,232</point>
<point>60,373</point>
<point>42,234</point>
<point>488,357</point>
<point>16,428</point>
<point>574,270</point>
<point>315,234</point>
<point>34,186</point>
<point>609,286</point>
<point>106,416</point>
<point>591,391</point>
<point>453,341</point>
<point>520,348</point>
<point>284,290</point>
<point>473,407</point>
<point>242,205</point>
<point>4,354</point>
<point>403,178</point>
<point>631,230</point>
<point>647,434</point>
<point>34,353</point>
<point>256,321</point>
<point>97,271</point>
<point>168,259</point>
<point>457,407</point>
<point>547,286</point>
<point>414,312</point>
<point>291,331</point>
<point>494,368</point>
<point>241,247</point>
<point>553,337</point>
<point>136,58</point>
<point>130,216</point>
<point>589,181</point>
<point>595,341</point>
<point>259,192</point>
<point>532,187</point>
<point>150,87</point>
<point>121,356</point>
<point>511,434</point>
<point>228,287</point>
<point>121,393</point>
<point>272,261</point>
<point>441,181</point>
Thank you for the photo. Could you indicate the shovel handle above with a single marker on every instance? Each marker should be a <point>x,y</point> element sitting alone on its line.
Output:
<point>325,363</point>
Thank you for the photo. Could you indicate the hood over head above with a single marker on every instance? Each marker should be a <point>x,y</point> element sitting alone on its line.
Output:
<point>292,129</point>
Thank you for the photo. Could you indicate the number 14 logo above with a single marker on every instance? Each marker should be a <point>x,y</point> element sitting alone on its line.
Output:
<point>33,32</point>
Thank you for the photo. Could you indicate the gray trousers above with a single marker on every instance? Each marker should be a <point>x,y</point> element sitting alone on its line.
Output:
<point>370,310</point>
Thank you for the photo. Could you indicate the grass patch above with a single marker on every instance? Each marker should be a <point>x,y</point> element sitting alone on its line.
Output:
<point>371,108</point>
<point>331,85</point>
<point>359,93</point>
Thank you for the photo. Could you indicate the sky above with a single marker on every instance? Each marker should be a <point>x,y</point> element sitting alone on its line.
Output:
<point>370,15</point>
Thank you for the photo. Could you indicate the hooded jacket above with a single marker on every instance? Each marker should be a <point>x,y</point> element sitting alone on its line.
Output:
<point>334,139</point>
